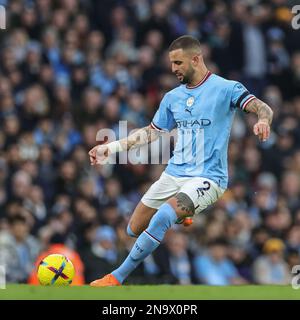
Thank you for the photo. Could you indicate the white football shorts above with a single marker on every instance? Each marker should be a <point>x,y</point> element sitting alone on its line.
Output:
<point>202,191</point>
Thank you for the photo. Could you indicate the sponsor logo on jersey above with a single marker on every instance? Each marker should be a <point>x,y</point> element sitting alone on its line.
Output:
<point>192,123</point>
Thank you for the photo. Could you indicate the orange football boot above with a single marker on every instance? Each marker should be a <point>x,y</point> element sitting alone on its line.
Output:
<point>107,281</point>
<point>186,221</point>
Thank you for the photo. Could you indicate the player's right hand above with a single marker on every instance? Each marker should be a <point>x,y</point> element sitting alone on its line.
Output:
<point>262,130</point>
<point>99,154</point>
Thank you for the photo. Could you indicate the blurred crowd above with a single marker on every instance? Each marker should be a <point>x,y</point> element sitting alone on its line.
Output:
<point>69,68</point>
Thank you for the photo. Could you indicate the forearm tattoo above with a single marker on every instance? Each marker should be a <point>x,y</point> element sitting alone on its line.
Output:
<point>184,203</point>
<point>263,111</point>
<point>140,137</point>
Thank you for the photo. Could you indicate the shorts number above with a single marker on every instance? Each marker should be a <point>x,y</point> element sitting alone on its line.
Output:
<point>201,190</point>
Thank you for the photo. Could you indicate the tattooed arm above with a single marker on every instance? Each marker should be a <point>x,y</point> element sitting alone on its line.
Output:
<point>140,137</point>
<point>265,116</point>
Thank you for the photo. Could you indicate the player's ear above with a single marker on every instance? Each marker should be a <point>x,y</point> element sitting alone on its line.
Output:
<point>195,60</point>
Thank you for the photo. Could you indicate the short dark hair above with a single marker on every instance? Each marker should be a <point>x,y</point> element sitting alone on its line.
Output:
<point>18,218</point>
<point>186,43</point>
<point>218,242</point>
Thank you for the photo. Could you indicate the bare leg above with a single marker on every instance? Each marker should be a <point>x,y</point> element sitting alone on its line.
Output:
<point>140,218</point>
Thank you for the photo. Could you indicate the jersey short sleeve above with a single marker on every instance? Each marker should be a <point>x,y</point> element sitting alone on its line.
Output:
<point>163,119</point>
<point>240,96</point>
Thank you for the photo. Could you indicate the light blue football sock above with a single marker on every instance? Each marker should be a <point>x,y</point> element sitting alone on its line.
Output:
<point>148,241</point>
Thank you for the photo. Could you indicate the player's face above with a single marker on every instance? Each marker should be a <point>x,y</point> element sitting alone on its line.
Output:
<point>182,67</point>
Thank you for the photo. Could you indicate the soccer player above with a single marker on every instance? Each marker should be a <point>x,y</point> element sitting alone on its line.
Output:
<point>202,109</point>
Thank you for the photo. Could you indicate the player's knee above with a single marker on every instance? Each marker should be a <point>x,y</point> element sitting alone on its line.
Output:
<point>130,232</point>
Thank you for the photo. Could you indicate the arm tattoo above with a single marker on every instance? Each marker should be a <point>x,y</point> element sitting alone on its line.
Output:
<point>140,137</point>
<point>263,111</point>
<point>184,203</point>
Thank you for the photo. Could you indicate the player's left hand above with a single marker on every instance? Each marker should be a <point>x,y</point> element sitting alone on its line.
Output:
<point>262,130</point>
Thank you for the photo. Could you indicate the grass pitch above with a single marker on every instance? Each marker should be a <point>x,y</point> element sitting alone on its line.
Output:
<point>153,292</point>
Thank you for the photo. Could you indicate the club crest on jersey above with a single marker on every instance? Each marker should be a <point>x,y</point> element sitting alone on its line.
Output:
<point>190,101</point>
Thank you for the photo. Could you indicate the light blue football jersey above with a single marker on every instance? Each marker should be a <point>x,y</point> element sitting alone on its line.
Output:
<point>203,116</point>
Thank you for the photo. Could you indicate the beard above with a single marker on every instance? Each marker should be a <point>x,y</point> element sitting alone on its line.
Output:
<point>187,78</point>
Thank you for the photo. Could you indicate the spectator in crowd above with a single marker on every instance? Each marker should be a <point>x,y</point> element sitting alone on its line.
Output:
<point>242,261</point>
<point>270,267</point>
<point>101,254</point>
<point>214,268</point>
<point>175,260</point>
<point>18,250</point>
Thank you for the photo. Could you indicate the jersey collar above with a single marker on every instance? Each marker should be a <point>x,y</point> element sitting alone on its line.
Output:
<point>208,73</point>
